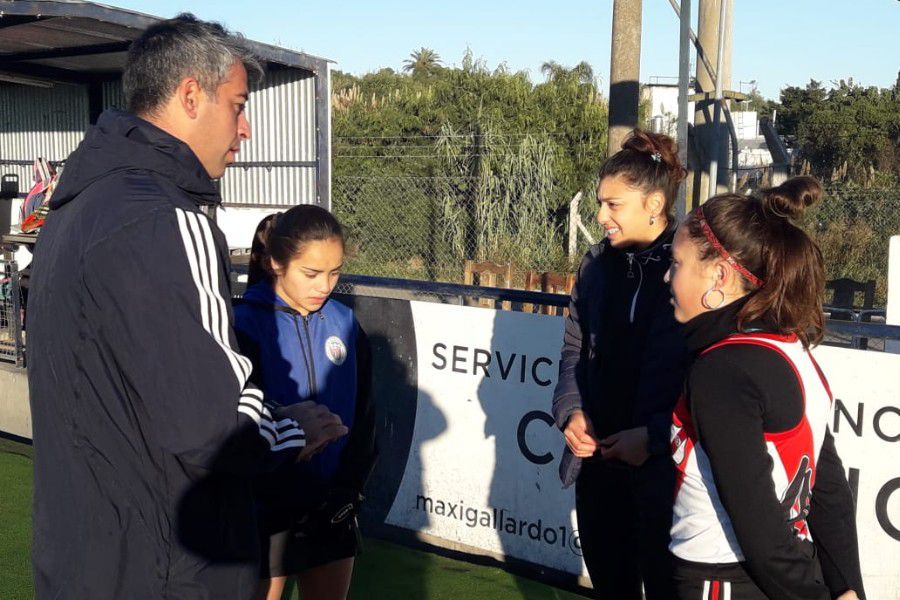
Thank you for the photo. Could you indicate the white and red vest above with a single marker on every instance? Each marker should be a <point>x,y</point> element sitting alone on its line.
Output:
<point>701,528</point>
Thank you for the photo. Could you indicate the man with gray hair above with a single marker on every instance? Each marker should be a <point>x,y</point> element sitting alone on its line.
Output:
<point>148,427</point>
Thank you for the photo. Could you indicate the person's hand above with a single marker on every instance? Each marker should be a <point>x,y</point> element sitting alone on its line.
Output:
<point>579,434</point>
<point>848,595</point>
<point>630,446</point>
<point>320,425</point>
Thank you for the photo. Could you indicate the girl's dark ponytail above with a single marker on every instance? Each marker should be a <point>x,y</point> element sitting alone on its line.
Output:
<point>260,268</point>
<point>793,197</point>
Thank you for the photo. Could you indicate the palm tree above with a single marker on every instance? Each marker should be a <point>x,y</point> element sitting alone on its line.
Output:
<point>552,70</point>
<point>423,61</point>
<point>582,72</point>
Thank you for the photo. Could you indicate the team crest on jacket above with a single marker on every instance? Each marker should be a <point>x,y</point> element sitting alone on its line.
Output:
<point>679,443</point>
<point>335,350</point>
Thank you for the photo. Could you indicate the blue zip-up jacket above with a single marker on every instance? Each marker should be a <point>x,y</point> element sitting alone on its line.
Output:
<point>318,357</point>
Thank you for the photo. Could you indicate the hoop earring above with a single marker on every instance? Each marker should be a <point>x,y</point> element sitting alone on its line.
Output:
<point>705,299</point>
<point>653,219</point>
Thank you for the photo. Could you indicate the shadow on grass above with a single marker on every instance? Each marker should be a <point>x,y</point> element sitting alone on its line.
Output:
<point>383,571</point>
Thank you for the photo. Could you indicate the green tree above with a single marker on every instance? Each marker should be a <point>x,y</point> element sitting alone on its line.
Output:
<point>552,70</point>
<point>582,72</point>
<point>422,62</point>
<point>386,114</point>
<point>846,131</point>
<point>759,103</point>
<point>797,104</point>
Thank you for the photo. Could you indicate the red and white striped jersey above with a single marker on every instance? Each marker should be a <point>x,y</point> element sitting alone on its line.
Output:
<point>701,528</point>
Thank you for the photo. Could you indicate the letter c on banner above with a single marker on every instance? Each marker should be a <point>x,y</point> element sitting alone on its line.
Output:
<point>881,512</point>
<point>534,371</point>
<point>535,415</point>
<point>879,429</point>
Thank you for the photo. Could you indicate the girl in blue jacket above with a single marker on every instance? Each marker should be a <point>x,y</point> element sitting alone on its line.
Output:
<point>306,346</point>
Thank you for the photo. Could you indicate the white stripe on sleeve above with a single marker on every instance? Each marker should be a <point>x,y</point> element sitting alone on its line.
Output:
<point>196,236</point>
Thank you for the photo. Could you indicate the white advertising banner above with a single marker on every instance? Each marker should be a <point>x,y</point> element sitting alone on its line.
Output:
<point>866,428</point>
<point>482,470</point>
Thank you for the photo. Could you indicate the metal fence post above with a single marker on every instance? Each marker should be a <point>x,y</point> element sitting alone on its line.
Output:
<point>16,316</point>
<point>574,220</point>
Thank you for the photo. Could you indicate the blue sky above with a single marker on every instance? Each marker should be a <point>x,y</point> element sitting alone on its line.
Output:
<point>776,43</point>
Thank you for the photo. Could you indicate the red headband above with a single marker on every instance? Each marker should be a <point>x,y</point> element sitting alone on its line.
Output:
<point>712,239</point>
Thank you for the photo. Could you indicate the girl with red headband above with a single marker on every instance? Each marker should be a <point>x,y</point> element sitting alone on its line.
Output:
<point>762,508</point>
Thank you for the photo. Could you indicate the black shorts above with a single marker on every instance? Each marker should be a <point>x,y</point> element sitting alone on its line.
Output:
<point>292,544</point>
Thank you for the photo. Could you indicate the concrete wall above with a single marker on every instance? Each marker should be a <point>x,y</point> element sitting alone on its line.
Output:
<point>239,224</point>
<point>15,413</point>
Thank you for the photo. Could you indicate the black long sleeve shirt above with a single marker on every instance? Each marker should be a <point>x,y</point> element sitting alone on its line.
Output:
<point>736,395</point>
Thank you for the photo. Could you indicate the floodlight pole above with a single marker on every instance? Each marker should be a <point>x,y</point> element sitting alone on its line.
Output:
<point>684,81</point>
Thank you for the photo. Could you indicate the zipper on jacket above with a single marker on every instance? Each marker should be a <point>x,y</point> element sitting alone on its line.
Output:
<point>641,258</point>
<point>306,350</point>
<point>312,359</point>
<point>638,290</point>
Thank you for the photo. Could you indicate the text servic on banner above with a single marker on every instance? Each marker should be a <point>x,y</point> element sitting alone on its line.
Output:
<point>483,468</point>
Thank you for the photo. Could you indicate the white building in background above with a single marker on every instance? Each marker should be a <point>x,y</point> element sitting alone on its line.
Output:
<point>662,96</point>
<point>663,100</point>
<point>752,149</point>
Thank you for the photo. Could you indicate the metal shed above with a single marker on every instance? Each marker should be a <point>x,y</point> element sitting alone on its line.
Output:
<point>61,64</point>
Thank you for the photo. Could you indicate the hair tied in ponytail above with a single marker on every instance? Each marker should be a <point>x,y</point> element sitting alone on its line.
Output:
<point>649,162</point>
<point>766,245</point>
<point>791,199</point>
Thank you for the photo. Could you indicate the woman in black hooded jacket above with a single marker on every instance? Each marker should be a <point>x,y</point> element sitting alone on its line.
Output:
<point>621,370</point>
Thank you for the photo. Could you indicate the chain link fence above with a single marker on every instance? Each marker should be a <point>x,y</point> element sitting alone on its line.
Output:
<point>426,228</point>
<point>11,314</point>
<point>853,228</point>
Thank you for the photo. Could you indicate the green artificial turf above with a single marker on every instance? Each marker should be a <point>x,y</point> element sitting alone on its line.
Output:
<point>383,571</point>
<point>15,520</point>
<point>390,571</point>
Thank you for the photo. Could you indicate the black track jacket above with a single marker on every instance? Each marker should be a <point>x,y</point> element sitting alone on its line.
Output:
<point>146,430</point>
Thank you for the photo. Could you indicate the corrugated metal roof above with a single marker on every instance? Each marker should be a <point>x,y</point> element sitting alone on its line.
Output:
<point>77,41</point>
<point>85,43</point>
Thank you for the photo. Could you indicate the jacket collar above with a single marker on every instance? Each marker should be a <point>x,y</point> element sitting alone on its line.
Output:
<point>121,141</point>
<point>712,326</point>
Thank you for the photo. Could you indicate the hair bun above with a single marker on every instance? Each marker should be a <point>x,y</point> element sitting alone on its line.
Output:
<point>659,148</point>
<point>793,197</point>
